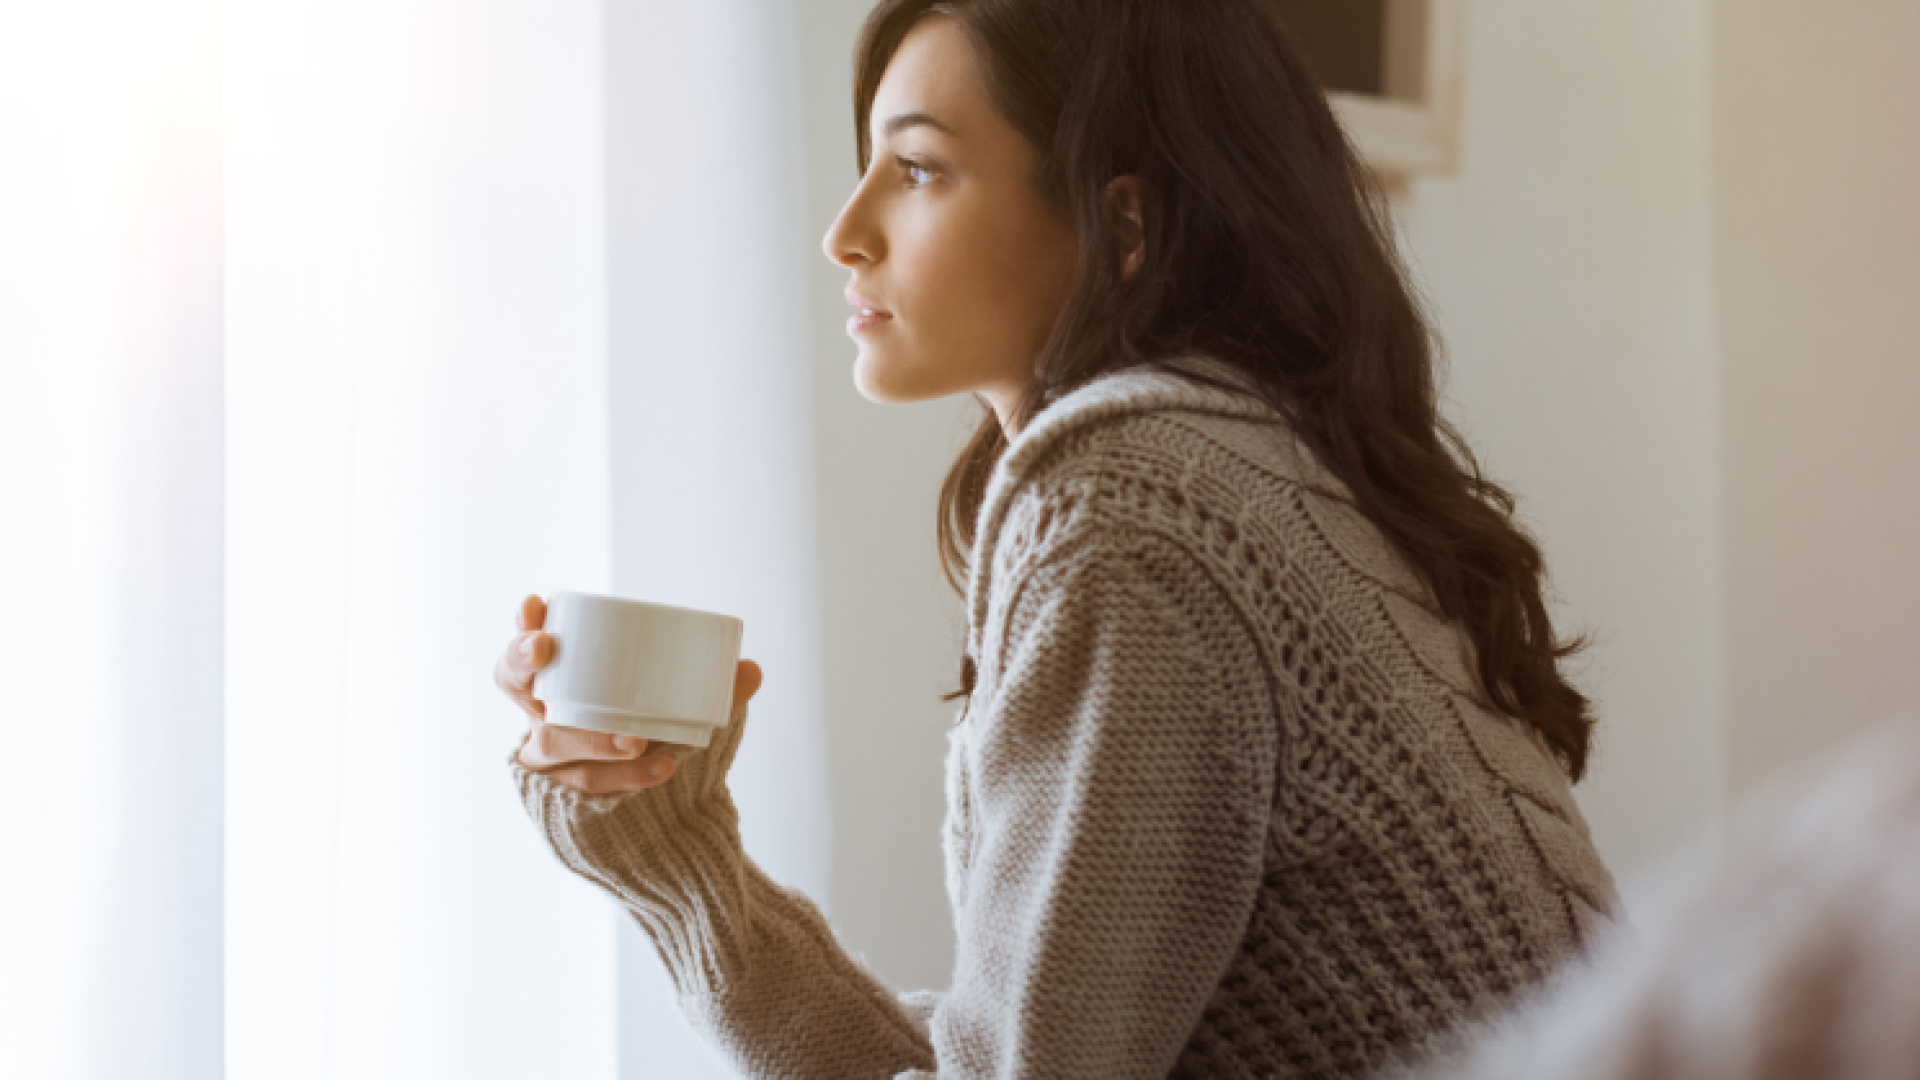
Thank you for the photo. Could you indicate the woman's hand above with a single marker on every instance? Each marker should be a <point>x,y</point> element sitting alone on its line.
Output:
<point>589,761</point>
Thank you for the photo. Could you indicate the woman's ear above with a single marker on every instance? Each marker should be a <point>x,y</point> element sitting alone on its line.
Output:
<point>1121,201</point>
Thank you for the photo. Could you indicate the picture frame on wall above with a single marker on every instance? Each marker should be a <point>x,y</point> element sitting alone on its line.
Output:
<point>1392,72</point>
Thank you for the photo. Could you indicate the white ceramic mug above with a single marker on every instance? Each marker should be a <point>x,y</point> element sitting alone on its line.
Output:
<point>631,668</point>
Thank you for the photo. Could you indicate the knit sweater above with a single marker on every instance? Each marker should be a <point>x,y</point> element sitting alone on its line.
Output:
<point>1226,800</point>
<point>1779,944</point>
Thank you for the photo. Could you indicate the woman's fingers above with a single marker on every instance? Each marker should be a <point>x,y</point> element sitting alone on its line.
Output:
<point>607,778</point>
<point>589,761</point>
<point>513,673</point>
<point>526,654</point>
<point>532,614</point>
<point>746,681</point>
<point>549,746</point>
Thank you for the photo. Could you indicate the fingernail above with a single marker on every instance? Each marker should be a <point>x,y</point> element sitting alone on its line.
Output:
<point>623,742</point>
<point>526,645</point>
<point>657,769</point>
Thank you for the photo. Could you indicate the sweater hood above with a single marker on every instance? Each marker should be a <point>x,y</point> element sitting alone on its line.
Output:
<point>1115,395</point>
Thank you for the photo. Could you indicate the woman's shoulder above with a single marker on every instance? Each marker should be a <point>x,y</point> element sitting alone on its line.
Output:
<point>1181,474</point>
<point>1149,470</point>
<point>1141,436</point>
<point>1205,465</point>
<point>1209,466</point>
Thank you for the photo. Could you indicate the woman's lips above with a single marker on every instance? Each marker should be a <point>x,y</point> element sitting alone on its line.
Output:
<point>868,317</point>
<point>864,320</point>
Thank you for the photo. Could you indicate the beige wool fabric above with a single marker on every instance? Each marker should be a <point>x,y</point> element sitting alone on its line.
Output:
<point>1226,802</point>
<point>1781,944</point>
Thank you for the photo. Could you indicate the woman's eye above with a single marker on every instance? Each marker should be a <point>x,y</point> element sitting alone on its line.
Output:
<point>913,167</point>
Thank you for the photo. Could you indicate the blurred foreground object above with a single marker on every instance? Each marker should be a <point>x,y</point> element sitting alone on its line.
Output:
<point>1785,944</point>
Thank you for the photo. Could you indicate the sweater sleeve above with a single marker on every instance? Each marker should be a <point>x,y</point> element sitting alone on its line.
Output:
<point>755,967</point>
<point>1122,791</point>
<point>1121,797</point>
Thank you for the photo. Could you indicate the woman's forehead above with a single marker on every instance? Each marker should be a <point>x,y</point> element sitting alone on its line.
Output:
<point>929,78</point>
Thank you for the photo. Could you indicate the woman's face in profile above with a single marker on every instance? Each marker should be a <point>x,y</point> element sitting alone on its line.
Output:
<point>947,233</point>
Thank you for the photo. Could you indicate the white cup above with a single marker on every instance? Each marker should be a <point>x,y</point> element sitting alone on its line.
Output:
<point>632,668</point>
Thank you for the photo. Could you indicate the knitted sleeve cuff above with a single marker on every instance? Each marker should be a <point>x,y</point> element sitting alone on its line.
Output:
<point>671,854</point>
<point>755,966</point>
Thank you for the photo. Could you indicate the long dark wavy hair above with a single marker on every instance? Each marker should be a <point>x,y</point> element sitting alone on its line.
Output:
<point>1268,246</point>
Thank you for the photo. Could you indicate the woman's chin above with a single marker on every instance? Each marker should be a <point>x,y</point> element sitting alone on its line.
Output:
<point>883,383</point>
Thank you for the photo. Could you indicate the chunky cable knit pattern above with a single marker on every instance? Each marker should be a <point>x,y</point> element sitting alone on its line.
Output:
<point>1227,801</point>
<point>1779,944</point>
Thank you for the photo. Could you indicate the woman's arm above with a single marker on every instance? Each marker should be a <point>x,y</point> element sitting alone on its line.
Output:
<point>755,966</point>
<point>1123,769</point>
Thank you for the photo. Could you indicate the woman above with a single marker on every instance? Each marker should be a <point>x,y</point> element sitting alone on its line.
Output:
<point>1264,766</point>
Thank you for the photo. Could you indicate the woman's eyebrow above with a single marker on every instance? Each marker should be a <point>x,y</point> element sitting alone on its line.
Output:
<point>896,124</point>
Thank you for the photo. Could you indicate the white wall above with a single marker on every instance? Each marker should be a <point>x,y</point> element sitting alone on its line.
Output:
<point>709,253</point>
<point>1569,263</point>
<point>1817,214</point>
<point>891,631</point>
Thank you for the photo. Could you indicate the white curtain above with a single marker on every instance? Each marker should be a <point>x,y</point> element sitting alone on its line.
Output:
<point>318,350</point>
<point>110,540</point>
<point>712,441</point>
<point>416,439</point>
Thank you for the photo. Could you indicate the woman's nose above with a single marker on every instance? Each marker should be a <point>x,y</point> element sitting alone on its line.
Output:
<point>849,241</point>
<point>837,249</point>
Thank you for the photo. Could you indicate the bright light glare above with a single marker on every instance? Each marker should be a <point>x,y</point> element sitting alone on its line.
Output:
<point>109,531</point>
<point>416,439</point>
